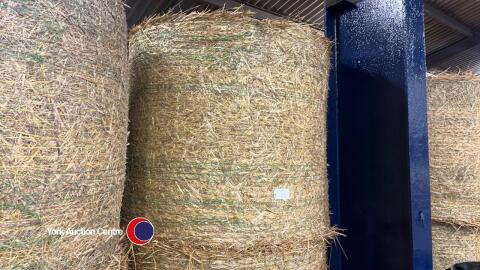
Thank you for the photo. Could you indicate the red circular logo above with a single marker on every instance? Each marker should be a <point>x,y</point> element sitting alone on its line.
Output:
<point>140,231</point>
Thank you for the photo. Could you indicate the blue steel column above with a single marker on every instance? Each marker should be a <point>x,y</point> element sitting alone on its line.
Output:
<point>378,145</point>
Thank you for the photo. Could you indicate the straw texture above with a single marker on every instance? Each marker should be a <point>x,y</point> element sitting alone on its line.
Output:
<point>454,134</point>
<point>63,130</point>
<point>228,135</point>
<point>453,245</point>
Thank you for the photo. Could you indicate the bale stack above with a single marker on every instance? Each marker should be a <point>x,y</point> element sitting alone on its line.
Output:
<point>454,124</point>
<point>228,142</point>
<point>63,131</point>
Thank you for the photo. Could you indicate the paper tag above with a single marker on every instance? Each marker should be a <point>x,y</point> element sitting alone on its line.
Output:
<point>281,194</point>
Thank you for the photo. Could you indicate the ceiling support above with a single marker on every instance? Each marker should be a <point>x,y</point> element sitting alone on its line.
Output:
<point>377,136</point>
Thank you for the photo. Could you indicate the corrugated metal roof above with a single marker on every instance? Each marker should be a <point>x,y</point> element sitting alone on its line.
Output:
<point>438,36</point>
<point>468,60</point>
<point>467,11</point>
<point>307,11</point>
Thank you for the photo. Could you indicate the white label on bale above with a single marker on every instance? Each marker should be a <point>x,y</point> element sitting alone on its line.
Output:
<point>281,194</point>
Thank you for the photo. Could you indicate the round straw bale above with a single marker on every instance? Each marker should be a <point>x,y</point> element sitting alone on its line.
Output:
<point>454,134</point>
<point>63,131</point>
<point>228,142</point>
<point>453,244</point>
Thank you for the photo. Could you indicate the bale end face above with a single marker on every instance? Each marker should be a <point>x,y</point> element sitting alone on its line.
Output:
<point>228,139</point>
<point>454,135</point>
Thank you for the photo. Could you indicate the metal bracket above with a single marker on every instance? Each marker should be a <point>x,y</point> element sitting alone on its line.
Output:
<point>331,3</point>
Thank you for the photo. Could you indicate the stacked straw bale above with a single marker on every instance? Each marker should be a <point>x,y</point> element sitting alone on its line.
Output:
<point>454,120</point>
<point>226,112</point>
<point>63,131</point>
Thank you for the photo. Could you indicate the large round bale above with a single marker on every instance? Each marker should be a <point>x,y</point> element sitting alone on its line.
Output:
<point>228,134</point>
<point>454,130</point>
<point>63,132</point>
<point>454,245</point>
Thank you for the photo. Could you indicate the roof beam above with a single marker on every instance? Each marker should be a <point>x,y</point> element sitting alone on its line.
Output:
<point>437,58</point>
<point>472,39</point>
<point>230,4</point>
<point>448,20</point>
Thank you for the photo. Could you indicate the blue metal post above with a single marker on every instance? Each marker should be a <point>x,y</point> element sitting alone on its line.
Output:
<point>378,145</point>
